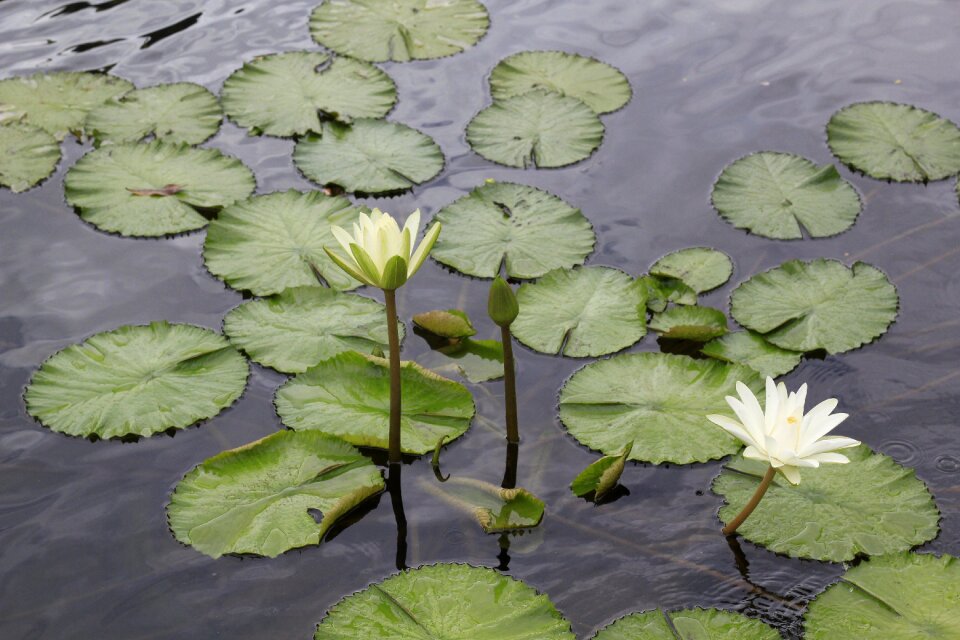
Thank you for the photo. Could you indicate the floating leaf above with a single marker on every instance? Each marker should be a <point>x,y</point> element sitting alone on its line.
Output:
<point>901,596</point>
<point>658,291</point>
<point>659,401</point>
<point>400,30</point>
<point>302,86</point>
<point>349,396</point>
<point>599,85</point>
<point>57,102</point>
<point>870,506</point>
<point>750,349</point>
<point>527,230</point>
<point>28,155</point>
<point>803,306</point>
<point>260,498</point>
<point>774,194</point>
<point>179,112</point>
<point>369,156</point>
<point>688,624</point>
<point>476,360</point>
<point>700,268</point>
<point>275,241</point>
<point>601,475</point>
<point>137,380</point>
<point>452,323</point>
<point>122,188</point>
<point>890,141</point>
<point>690,323</point>
<point>539,128</point>
<point>497,510</point>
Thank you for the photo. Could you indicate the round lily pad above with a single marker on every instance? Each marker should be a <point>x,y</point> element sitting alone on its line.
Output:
<point>297,328</point>
<point>803,306</point>
<point>28,155</point>
<point>400,30</point>
<point>538,128</point>
<point>690,323</point>
<point>776,195</point>
<point>870,506</point>
<point>583,312</point>
<point>898,596</point>
<point>349,396</point>
<point>137,380</point>
<point>179,112</point>
<point>303,86</point>
<point>891,141</point>
<point>599,85</point>
<point>528,231</point>
<point>261,498</point>
<point>658,401</point>
<point>369,156</point>
<point>688,624</point>
<point>154,189</point>
<point>449,601</point>
<point>750,349</point>
<point>700,268</point>
<point>57,102</point>
<point>272,242</point>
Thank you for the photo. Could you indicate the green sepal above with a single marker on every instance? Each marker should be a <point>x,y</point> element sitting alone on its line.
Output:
<point>365,262</point>
<point>344,264</point>
<point>394,273</point>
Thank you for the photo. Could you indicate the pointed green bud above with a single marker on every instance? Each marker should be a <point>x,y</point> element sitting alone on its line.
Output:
<point>502,304</point>
<point>394,273</point>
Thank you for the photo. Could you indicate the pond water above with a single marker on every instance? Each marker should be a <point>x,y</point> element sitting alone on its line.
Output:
<point>86,549</point>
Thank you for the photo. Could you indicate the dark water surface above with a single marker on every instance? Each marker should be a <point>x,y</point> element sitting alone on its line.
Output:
<point>84,546</point>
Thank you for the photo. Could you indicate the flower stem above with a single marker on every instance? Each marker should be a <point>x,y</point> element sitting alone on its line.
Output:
<point>732,526</point>
<point>509,386</point>
<point>390,297</point>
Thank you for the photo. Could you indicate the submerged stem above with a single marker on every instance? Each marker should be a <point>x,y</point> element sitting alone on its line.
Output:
<point>390,297</point>
<point>509,386</point>
<point>732,526</point>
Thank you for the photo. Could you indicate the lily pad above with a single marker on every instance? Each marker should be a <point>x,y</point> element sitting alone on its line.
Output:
<point>688,624</point>
<point>300,327</point>
<point>775,194</point>
<point>57,102</point>
<point>750,349</point>
<point>28,155</point>
<point>476,360</point>
<point>275,241</point>
<point>700,268</point>
<point>870,506</point>
<point>601,475</point>
<point>260,498</point>
<point>528,231</point>
<point>538,128</point>
<point>690,323</point>
<point>497,510</point>
<point>369,156</point>
<point>304,86</point>
<point>179,112</point>
<point>154,189</point>
<point>658,291</point>
<point>900,596</point>
<point>450,601</point>
<point>349,396</point>
<point>453,323</point>
<point>656,400</point>
<point>583,312</point>
<point>400,30</point>
<point>803,306</point>
<point>137,380</point>
<point>891,141</point>
<point>599,85</point>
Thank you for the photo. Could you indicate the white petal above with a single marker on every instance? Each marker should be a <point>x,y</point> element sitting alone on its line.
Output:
<point>751,416</point>
<point>837,458</point>
<point>792,474</point>
<point>831,443</point>
<point>423,250</point>
<point>754,454</point>
<point>342,237</point>
<point>413,225</point>
<point>733,428</point>
<point>815,428</point>
<point>773,404</point>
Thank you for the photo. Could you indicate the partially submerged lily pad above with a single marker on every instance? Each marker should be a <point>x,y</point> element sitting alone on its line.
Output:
<point>475,360</point>
<point>260,498</point>
<point>696,323</point>
<point>137,380</point>
<point>658,401</point>
<point>497,510</point>
<point>700,268</point>
<point>688,624</point>
<point>28,155</point>
<point>154,189</point>
<point>750,349</point>
<point>528,231</point>
<point>870,506</point>
<point>658,291</point>
<point>601,475</point>
<point>451,323</point>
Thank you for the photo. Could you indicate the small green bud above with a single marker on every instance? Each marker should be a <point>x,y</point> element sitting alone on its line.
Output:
<point>502,304</point>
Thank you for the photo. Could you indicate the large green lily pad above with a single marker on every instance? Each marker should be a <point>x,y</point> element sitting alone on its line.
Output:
<point>369,156</point>
<point>536,129</point>
<point>399,30</point>
<point>899,596</point>
<point>260,498</point>
<point>498,510</point>
<point>891,141</point>
<point>583,312</point>
<point>700,268</point>
<point>870,506</point>
<point>275,241</point>
<point>688,624</point>
<point>57,102</point>
<point>803,306</point>
<point>28,155</point>
<point>658,401</point>
<point>303,86</point>
<point>154,189</point>
<point>528,231</point>
<point>137,380</point>
<point>696,323</point>
<point>750,349</point>
<point>449,601</point>
<point>349,396</point>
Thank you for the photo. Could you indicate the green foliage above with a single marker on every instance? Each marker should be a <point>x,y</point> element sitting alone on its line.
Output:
<point>451,323</point>
<point>700,268</point>
<point>658,291</point>
<point>28,155</point>
<point>601,475</point>
<point>750,349</point>
<point>690,323</point>
<point>475,360</point>
<point>688,624</point>
<point>497,510</point>
<point>502,305</point>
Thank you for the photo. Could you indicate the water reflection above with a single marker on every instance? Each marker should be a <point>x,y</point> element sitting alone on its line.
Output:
<point>396,501</point>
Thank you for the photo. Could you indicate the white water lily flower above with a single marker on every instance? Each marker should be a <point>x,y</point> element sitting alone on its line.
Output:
<point>379,253</point>
<point>783,434</point>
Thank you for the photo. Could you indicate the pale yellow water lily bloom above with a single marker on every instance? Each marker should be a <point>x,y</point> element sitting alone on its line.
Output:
<point>378,252</point>
<point>782,434</point>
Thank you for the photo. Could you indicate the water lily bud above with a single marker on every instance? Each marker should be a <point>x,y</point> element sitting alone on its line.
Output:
<point>502,304</point>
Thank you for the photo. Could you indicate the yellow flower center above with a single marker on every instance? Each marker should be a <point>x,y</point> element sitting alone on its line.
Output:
<point>792,420</point>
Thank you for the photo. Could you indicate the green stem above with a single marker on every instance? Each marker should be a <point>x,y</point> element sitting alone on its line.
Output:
<point>509,386</point>
<point>390,297</point>
<point>732,526</point>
